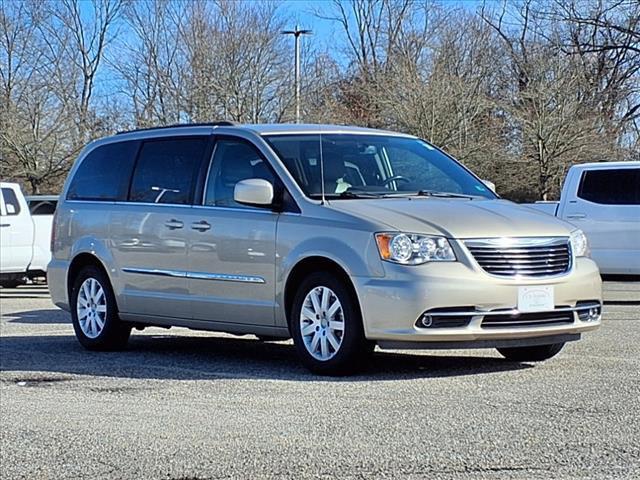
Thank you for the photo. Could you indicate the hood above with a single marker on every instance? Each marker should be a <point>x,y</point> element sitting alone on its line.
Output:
<point>456,218</point>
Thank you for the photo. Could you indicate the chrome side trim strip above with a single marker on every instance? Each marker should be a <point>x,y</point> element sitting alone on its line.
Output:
<point>196,275</point>
<point>513,311</point>
<point>155,271</point>
<point>224,277</point>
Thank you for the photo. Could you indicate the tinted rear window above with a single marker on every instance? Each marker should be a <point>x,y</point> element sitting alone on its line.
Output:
<point>104,173</point>
<point>611,187</point>
<point>167,169</point>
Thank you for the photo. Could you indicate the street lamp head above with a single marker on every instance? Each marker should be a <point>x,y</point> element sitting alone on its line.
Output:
<point>297,32</point>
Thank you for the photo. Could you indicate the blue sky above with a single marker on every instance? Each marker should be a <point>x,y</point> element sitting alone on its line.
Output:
<point>301,11</point>
<point>327,34</point>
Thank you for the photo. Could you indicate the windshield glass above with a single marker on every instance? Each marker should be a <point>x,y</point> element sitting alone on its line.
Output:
<point>373,165</point>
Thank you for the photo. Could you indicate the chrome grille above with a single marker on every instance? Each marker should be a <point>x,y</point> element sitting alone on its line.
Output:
<point>525,257</point>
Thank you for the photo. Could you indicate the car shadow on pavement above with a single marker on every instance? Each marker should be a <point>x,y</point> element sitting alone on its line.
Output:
<point>23,295</point>
<point>43,317</point>
<point>178,357</point>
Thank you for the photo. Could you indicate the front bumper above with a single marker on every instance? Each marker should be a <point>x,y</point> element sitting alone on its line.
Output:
<point>392,306</point>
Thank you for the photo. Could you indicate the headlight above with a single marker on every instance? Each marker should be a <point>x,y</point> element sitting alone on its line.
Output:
<point>413,249</point>
<point>579,244</point>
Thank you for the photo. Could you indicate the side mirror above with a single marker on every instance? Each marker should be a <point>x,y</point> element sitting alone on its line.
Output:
<point>253,191</point>
<point>490,184</point>
<point>11,209</point>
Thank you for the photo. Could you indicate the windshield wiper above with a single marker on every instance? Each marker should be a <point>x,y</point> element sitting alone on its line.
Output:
<point>358,194</point>
<point>432,193</point>
<point>347,194</point>
<point>427,193</point>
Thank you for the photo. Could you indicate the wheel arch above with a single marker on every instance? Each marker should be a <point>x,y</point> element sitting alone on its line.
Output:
<point>313,264</point>
<point>80,261</point>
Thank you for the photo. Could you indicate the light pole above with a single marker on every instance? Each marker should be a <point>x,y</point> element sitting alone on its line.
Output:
<point>296,35</point>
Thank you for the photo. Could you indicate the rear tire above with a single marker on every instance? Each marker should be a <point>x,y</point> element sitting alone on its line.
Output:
<point>95,314</point>
<point>536,353</point>
<point>326,326</point>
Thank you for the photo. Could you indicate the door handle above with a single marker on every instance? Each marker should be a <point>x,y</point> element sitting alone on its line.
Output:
<point>5,224</point>
<point>173,224</point>
<point>576,216</point>
<point>201,226</point>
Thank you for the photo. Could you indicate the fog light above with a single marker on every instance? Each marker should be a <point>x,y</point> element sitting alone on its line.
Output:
<point>590,315</point>
<point>427,320</point>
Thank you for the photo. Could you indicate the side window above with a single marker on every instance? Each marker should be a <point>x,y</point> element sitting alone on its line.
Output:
<point>167,169</point>
<point>104,173</point>
<point>611,187</point>
<point>11,204</point>
<point>233,160</point>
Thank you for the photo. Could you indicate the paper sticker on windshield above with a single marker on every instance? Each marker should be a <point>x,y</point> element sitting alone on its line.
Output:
<point>480,188</point>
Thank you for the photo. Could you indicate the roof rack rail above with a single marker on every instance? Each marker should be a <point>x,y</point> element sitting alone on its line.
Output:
<point>224,123</point>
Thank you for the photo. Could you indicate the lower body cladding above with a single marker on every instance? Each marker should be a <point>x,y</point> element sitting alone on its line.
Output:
<point>451,305</point>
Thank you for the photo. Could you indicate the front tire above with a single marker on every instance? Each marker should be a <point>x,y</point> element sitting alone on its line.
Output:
<point>326,326</point>
<point>95,314</point>
<point>536,353</point>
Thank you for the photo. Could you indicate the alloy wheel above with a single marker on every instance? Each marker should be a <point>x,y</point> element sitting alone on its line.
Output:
<point>91,308</point>
<point>322,323</point>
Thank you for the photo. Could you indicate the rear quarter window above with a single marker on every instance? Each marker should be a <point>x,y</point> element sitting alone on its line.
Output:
<point>611,186</point>
<point>104,173</point>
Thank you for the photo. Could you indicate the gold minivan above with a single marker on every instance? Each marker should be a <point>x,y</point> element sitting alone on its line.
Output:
<point>341,238</point>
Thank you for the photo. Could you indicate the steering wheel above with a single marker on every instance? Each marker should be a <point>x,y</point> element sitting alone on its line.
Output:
<point>395,178</point>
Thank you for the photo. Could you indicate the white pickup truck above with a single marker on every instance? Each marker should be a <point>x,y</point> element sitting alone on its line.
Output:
<point>603,199</point>
<point>25,233</point>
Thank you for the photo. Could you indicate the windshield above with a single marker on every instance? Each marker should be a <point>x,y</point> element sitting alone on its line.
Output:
<point>373,165</point>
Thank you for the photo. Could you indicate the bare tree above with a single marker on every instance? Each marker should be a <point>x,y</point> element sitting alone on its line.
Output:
<point>237,59</point>
<point>517,91</point>
<point>605,36</point>
<point>33,119</point>
<point>152,62</point>
<point>552,123</point>
<point>53,53</point>
<point>379,34</point>
<point>75,43</point>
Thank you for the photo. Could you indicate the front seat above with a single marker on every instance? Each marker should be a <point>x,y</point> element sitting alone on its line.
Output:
<point>334,173</point>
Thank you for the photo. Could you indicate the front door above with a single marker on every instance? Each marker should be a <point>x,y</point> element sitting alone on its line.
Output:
<point>232,246</point>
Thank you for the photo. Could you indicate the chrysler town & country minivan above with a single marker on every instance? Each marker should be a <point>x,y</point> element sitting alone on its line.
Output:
<point>341,238</point>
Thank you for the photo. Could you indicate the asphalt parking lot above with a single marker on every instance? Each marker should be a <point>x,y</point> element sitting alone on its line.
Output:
<point>186,405</point>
